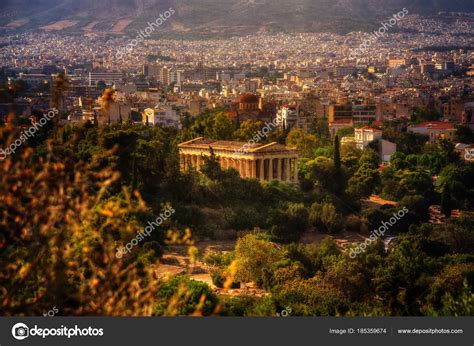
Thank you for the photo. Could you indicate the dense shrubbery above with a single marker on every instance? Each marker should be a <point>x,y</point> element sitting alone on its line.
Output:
<point>420,276</point>
<point>181,296</point>
<point>79,192</point>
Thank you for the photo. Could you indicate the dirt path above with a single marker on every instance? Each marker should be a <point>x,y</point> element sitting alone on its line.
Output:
<point>176,260</point>
<point>375,201</point>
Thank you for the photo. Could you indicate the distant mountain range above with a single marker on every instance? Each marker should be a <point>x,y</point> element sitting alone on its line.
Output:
<point>213,17</point>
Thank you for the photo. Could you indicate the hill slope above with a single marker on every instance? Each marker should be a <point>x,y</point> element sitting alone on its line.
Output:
<point>222,16</point>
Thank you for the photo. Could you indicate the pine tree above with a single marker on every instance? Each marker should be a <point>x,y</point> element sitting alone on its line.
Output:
<point>446,201</point>
<point>339,184</point>
<point>337,155</point>
<point>211,166</point>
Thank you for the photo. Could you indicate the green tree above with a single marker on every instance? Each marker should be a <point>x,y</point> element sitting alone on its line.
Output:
<point>211,166</point>
<point>321,170</point>
<point>330,218</point>
<point>304,142</point>
<point>182,296</point>
<point>410,143</point>
<point>339,179</point>
<point>320,128</point>
<point>424,114</point>
<point>253,256</point>
<point>222,128</point>
<point>446,201</point>
<point>248,130</point>
<point>346,132</point>
<point>464,135</point>
<point>363,182</point>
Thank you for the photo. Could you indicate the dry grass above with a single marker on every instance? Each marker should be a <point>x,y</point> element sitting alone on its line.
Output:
<point>61,25</point>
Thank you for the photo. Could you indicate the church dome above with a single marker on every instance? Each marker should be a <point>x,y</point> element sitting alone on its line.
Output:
<point>248,98</point>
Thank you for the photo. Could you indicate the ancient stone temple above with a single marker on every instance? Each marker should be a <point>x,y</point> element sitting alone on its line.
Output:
<point>271,161</point>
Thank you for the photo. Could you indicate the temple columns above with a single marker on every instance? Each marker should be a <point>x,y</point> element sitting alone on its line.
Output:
<point>243,168</point>
<point>287,170</point>
<point>200,162</point>
<point>262,169</point>
<point>270,169</point>
<point>279,176</point>
<point>296,170</point>
<point>182,162</point>
<point>249,168</point>
<point>257,167</point>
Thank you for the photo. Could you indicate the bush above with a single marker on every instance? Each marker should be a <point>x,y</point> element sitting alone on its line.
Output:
<point>253,256</point>
<point>243,218</point>
<point>219,278</point>
<point>182,296</point>
<point>354,223</point>
<point>263,307</point>
<point>219,259</point>
<point>155,247</point>
<point>310,298</point>
<point>238,306</point>
<point>290,225</point>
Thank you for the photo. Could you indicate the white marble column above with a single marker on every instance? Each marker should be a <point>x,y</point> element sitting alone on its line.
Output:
<point>287,170</point>
<point>241,164</point>
<point>182,165</point>
<point>199,162</point>
<point>279,176</point>
<point>188,161</point>
<point>296,170</point>
<point>270,169</point>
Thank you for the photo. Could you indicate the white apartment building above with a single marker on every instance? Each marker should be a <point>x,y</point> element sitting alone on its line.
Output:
<point>363,137</point>
<point>162,115</point>
<point>287,117</point>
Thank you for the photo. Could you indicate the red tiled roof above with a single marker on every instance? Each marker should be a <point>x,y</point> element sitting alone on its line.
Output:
<point>435,125</point>
<point>370,128</point>
<point>342,121</point>
<point>248,98</point>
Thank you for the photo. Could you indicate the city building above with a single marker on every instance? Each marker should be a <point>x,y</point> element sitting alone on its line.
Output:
<point>287,117</point>
<point>339,124</point>
<point>363,137</point>
<point>108,78</point>
<point>435,130</point>
<point>394,63</point>
<point>35,78</point>
<point>162,115</point>
<point>360,114</point>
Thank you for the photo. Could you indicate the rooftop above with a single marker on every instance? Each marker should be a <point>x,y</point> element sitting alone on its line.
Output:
<point>434,125</point>
<point>206,143</point>
<point>367,128</point>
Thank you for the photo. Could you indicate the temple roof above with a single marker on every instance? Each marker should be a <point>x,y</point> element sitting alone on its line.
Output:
<point>205,143</point>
